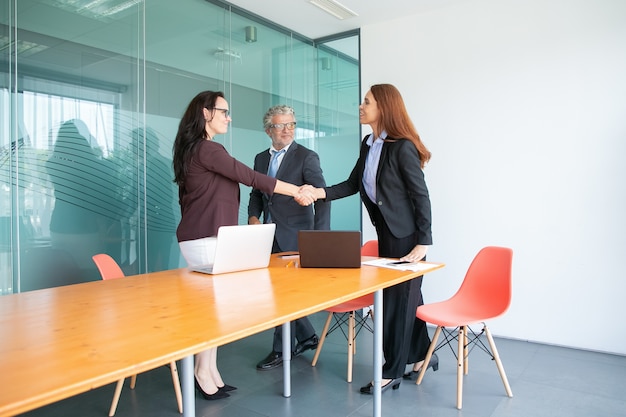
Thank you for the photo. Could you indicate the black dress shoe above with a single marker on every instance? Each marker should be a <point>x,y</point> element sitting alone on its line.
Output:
<point>433,363</point>
<point>369,388</point>
<point>218,395</point>
<point>273,360</point>
<point>309,344</point>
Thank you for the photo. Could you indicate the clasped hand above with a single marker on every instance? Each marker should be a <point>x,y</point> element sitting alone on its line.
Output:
<point>306,195</point>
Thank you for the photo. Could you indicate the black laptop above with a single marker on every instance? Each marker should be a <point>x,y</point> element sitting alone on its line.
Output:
<point>329,248</point>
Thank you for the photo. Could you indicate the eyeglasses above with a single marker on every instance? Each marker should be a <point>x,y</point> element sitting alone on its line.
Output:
<point>226,112</point>
<point>281,126</point>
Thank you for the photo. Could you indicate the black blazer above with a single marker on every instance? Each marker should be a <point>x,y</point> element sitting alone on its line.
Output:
<point>402,195</point>
<point>299,166</point>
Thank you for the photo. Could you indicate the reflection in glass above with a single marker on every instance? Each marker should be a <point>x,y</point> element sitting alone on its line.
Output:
<point>161,198</point>
<point>82,212</point>
<point>80,201</point>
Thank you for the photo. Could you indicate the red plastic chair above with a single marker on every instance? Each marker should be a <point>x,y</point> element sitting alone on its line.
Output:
<point>484,294</point>
<point>109,269</point>
<point>347,312</point>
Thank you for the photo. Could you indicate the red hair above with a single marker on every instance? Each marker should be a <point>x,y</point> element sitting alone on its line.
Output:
<point>395,120</point>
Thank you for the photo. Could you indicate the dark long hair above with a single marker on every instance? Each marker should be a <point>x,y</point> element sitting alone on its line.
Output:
<point>71,144</point>
<point>395,120</point>
<point>191,132</point>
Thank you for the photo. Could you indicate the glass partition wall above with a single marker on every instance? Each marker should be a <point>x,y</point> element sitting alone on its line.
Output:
<point>90,98</point>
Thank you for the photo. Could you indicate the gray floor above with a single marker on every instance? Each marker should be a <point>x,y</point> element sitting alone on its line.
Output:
<point>546,381</point>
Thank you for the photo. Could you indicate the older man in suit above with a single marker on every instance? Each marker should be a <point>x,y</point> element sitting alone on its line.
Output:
<point>294,163</point>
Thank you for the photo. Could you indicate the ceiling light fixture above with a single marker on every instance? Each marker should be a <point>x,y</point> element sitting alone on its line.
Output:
<point>120,7</point>
<point>326,64</point>
<point>250,34</point>
<point>227,55</point>
<point>21,47</point>
<point>335,8</point>
<point>97,8</point>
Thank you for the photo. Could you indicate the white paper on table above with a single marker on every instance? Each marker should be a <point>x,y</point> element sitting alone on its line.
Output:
<point>393,264</point>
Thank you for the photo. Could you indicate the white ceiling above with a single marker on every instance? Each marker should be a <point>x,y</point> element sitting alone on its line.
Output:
<point>66,44</point>
<point>306,19</point>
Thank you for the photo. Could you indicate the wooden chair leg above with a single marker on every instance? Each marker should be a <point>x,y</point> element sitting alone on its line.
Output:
<point>496,356</point>
<point>459,371</point>
<point>429,354</point>
<point>465,353</point>
<point>354,332</point>
<point>350,344</point>
<point>133,381</point>
<point>176,381</point>
<point>322,339</point>
<point>116,397</point>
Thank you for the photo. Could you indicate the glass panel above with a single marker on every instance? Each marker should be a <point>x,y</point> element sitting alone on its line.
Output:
<point>338,118</point>
<point>91,94</point>
<point>287,70</point>
<point>7,149</point>
<point>76,188</point>
<point>287,78</point>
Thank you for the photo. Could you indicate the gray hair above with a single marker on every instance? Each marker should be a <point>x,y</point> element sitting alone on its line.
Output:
<point>273,111</point>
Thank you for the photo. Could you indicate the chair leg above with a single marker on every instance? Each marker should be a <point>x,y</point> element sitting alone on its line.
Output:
<point>429,354</point>
<point>496,356</point>
<point>465,353</point>
<point>322,339</point>
<point>459,371</point>
<point>176,381</point>
<point>116,397</point>
<point>354,313</point>
<point>133,381</point>
<point>369,313</point>
<point>350,345</point>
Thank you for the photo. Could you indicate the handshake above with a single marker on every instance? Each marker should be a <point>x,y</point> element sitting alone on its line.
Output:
<point>307,195</point>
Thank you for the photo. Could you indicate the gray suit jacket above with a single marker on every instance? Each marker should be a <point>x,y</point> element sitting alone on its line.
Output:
<point>299,166</point>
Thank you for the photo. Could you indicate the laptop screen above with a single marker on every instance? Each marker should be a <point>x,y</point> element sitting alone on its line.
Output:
<point>240,248</point>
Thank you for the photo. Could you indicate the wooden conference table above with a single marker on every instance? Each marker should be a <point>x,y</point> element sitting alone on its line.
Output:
<point>59,342</point>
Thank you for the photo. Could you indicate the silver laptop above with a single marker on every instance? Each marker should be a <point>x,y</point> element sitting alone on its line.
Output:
<point>240,248</point>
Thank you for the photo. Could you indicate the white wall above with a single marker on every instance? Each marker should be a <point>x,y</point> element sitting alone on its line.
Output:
<point>523,105</point>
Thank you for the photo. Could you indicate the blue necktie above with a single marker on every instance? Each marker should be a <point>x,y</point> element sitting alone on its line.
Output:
<point>271,171</point>
<point>273,168</point>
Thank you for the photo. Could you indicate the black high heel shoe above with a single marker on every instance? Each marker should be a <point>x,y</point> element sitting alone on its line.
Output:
<point>226,388</point>
<point>369,388</point>
<point>217,396</point>
<point>432,363</point>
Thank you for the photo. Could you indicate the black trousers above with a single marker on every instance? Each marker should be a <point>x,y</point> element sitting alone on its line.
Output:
<point>405,337</point>
<point>301,329</point>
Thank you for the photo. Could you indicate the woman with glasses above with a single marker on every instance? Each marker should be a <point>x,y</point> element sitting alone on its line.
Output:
<point>389,177</point>
<point>208,181</point>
